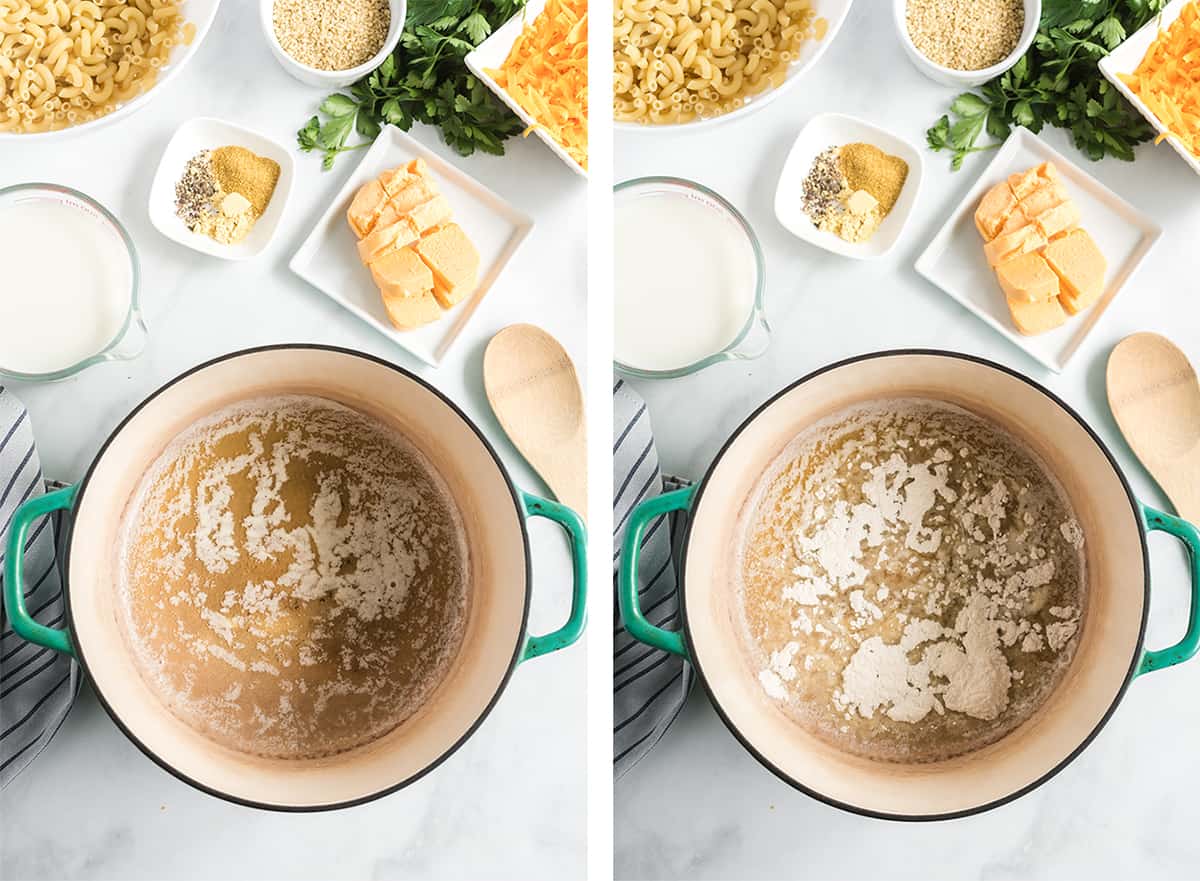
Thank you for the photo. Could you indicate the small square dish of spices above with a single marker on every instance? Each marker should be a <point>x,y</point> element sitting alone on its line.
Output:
<point>848,186</point>
<point>221,189</point>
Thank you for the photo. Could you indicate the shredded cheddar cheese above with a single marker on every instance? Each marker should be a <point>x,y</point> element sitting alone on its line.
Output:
<point>1168,79</point>
<point>546,74</point>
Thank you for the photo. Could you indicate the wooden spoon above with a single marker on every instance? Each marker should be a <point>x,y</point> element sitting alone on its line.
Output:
<point>1155,397</point>
<point>534,392</point>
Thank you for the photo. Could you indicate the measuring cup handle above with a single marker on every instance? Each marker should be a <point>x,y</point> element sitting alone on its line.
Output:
<point>635,621</point>
<point>133,341</point>
<point>1186,647</point>
<point>756,341</point>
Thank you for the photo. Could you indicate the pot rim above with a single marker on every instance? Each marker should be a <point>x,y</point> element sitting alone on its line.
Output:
<point>391,788</point>
<point>845,806</point>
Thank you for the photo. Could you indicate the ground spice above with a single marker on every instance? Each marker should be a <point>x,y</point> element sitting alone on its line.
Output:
<point>822,186</point>
<point>195,190</point>
<point>866,167</point>
<point>238,170</point>
<point>223,192</point>
<point>965,34</point>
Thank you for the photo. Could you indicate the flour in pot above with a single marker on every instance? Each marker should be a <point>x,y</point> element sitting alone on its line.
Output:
<point>912,580</point>
<point>294,577</point>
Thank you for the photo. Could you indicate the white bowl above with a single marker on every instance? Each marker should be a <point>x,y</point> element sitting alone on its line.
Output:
<point>198,12</point>
<point>833,11</point>
<point>832,130</point>
<point>331,79</point>
<point>1126,58</point>
<point>208,134</point>
<point>964,78</point>
<point>492,53</point>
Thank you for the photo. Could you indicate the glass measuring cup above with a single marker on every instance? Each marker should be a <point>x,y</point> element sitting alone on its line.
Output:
<point>130,339</point>
<point>754,337</point>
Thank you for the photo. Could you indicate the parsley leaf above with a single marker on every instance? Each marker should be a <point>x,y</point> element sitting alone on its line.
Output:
<point>425,80</point>
<point>1058,82</point>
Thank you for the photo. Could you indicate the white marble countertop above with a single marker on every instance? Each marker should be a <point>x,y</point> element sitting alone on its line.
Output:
<point>511,802</point>
<point>700,806</point>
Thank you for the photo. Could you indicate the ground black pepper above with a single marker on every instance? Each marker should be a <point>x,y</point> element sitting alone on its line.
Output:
<point>823,185</point>
<point>194,191</point>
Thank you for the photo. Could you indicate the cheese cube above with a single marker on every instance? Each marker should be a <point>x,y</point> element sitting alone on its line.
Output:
<point>1039,317</point>
<point>1013,244</point>
<point>1027,279</point>
<point>994,210</point>
<point>1080,267</point>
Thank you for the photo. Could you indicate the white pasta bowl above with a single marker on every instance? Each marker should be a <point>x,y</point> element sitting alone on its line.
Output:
<point>199,13</point>
<point>967,78</point>
<point>331,79</point>
<point>833,11</point>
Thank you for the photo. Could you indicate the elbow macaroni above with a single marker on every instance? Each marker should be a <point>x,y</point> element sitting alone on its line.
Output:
<point>66,62</point>
<point>679,60</point>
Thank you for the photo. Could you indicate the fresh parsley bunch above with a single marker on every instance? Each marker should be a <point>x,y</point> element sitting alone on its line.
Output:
<point>1058,81</point>
<point>425,80</point>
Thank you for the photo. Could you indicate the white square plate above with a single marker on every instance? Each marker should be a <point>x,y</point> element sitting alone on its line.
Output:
<point>834,130</point>
<point>1126,58</point>
<point>328,258</point>
<point>954,260</point>
<point>208,134</point>
<point>493,52</point>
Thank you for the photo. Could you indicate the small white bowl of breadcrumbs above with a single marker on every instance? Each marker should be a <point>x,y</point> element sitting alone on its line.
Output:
<point>966,42</point>
<point>332,43</point>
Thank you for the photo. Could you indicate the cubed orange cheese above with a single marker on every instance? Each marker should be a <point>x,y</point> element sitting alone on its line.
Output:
<point>994,210</point>
<point>402,273</point>
<point>454,261</point>
<point>396,179</point>
<point>365,207</point>
<point>1045,197</point>
<point>430,214</point>
<point>1080,267</point>
<point>407,313</point>
<point>418,191</point>
<point>1013,244</point>
<point>1022,183</point>
<point>1059,219</point>
<point>387,238</point>
<point>1027,279</point>
<point>1039,317</point>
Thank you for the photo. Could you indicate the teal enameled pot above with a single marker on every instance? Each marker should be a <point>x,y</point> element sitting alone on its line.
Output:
<point>494,514</point>
<point>1110,654</point>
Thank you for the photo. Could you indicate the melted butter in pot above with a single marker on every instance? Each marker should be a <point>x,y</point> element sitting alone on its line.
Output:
<point>912,581</point>
<point>294,577</point>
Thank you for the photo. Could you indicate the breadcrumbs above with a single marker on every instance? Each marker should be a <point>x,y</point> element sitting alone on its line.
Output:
<point>965,34</point>
<point>332,34</point>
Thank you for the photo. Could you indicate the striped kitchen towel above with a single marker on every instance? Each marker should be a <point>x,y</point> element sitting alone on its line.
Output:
<point>37,685</point>
<point>650,686</point>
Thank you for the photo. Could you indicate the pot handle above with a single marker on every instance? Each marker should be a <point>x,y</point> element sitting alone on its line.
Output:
<point>577,535</point>
<point>636,623</point>
<point>1186,647</point>
<point>23,623</point>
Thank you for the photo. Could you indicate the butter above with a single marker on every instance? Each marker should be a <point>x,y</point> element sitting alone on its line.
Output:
<point>861,202</point>
<point>234,204</point>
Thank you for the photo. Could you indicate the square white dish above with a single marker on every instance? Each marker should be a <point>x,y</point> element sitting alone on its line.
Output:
<point>954,260</point>
<point>205,133</point>
<point>328,258</point>
<point>1126,58</point>
<point>492,52</point>
<point>834,130</point>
